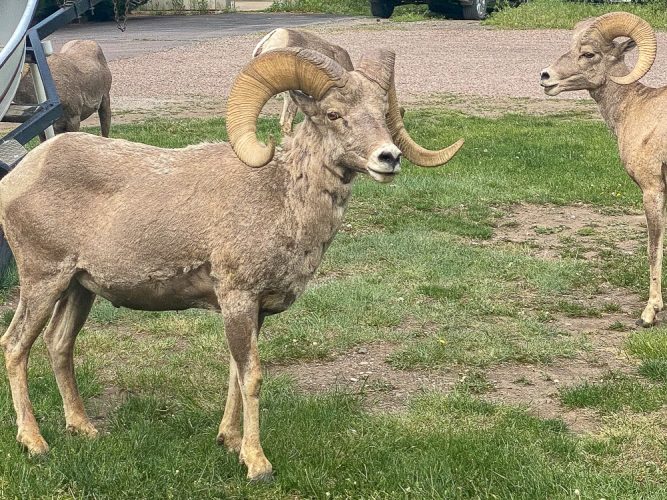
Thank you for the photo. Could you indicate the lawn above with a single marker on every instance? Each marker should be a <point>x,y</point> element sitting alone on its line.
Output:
<point>565,13</point>
<point>418,267</point>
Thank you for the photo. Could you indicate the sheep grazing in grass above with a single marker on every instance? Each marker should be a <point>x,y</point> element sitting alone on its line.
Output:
<point>83,81</point>
<point>282,38</point>
<point>635,113</point>
<point>203,226</point>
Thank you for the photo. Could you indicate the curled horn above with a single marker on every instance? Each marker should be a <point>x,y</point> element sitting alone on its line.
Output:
<point>411,150</point>
<point>617,24</point>
<point>265,76</point>
<point>378,66</point>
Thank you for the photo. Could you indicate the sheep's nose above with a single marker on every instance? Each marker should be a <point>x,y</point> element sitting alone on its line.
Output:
<point>391,158</point>
<point>544,75</point>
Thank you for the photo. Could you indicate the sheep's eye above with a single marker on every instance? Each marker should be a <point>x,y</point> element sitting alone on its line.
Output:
<point>588,55</point>
<point>333,115</point>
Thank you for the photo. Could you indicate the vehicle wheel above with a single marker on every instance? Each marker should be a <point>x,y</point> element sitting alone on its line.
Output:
<point>476,11</point>
<point>382,8</point>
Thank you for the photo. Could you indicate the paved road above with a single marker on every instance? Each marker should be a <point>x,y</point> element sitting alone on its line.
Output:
<point>147,34</point>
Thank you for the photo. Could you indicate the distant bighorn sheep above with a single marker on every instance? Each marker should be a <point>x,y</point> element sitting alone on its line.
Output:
<point>203,226</point>
<point>83,81</point>
<point>636,114</point>
<point>285,38</point>
<point>282,38</point>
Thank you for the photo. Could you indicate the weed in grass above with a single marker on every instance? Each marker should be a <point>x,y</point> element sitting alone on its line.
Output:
<point>654,369</point>
<point>523,381</point>
<point>617,326</point>
<point>612,307</point>
<point>586,231</point>
<point>473,382</point>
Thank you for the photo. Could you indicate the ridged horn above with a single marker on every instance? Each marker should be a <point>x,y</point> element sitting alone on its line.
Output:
<point>269,74</point>
<point>617,24</point>
<point>378,66</point>
<point>411,150</point>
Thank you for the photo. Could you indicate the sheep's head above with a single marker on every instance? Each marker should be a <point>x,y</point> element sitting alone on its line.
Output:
<point>594,56</point>
<point>353,111</point>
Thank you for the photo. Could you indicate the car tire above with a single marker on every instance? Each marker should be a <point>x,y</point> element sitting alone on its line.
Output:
<point>382,8</point>
<point>476,11</point>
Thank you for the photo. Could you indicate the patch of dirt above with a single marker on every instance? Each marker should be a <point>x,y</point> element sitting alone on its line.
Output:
<point>536,387</point>
<point>549,230</point>
<point>364,370</point>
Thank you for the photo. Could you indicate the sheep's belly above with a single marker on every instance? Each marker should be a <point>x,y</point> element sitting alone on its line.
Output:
<point>184,291</point>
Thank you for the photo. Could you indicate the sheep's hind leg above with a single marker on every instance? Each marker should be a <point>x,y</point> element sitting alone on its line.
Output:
<point>241,314</point>
<point>654,206</point>
<point>289,113</point>
<point>33,311</point>
<point>60,335</point>
<point>105,116</point>
<point>229,433</point>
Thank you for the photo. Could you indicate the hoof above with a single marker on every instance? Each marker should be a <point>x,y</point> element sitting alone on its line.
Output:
<point>232,442</point>
<point>264,477</point>
<point>34,443</point>
<point>86,429</point>
<point>644,324</point>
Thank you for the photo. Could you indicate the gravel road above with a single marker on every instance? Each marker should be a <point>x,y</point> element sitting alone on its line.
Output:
<point>433,57</point>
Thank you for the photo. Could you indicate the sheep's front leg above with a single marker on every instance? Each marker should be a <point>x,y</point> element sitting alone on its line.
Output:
<point>241,313</point>
<point>654,206</point>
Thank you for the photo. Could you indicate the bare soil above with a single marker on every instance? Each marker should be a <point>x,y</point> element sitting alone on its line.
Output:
<point>365,371</point>
<point>548,229</point>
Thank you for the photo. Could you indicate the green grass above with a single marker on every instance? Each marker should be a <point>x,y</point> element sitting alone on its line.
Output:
<point>565,14</point>
<point>615,394</point>
<point>411,267</point>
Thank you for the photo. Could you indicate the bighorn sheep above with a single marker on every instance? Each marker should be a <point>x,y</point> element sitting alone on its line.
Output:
<point>83,81</point>
<point>636,114</point>
<point>281,38</point>
<point>160,229</point>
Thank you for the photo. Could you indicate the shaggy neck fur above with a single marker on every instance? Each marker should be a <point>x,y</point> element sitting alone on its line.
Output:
<point>320,190</point>
<point>614,100</point>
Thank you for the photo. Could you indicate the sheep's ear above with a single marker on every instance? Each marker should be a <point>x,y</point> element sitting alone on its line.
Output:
<point>624,47</point>
<point>307,104</point>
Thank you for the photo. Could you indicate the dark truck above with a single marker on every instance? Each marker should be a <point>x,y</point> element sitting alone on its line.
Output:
<point>457,9</point>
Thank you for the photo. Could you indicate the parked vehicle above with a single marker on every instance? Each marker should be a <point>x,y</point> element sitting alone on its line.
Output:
<point>456,9</point>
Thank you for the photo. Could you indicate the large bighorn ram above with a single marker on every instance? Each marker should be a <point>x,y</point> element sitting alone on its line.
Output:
<point>636,114</point>
<point>83,81</point>
<point>159,229</point>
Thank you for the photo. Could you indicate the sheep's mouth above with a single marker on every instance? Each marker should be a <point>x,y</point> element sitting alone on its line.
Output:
<point>551,90</point>
<point>381,176</point>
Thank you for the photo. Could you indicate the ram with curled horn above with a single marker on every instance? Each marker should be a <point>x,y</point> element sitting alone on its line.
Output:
<point>239,227</point>
<point>635,113</point>
<point>294,37</point>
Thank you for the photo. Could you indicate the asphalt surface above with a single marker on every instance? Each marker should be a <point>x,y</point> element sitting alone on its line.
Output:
<point>147,34</point>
